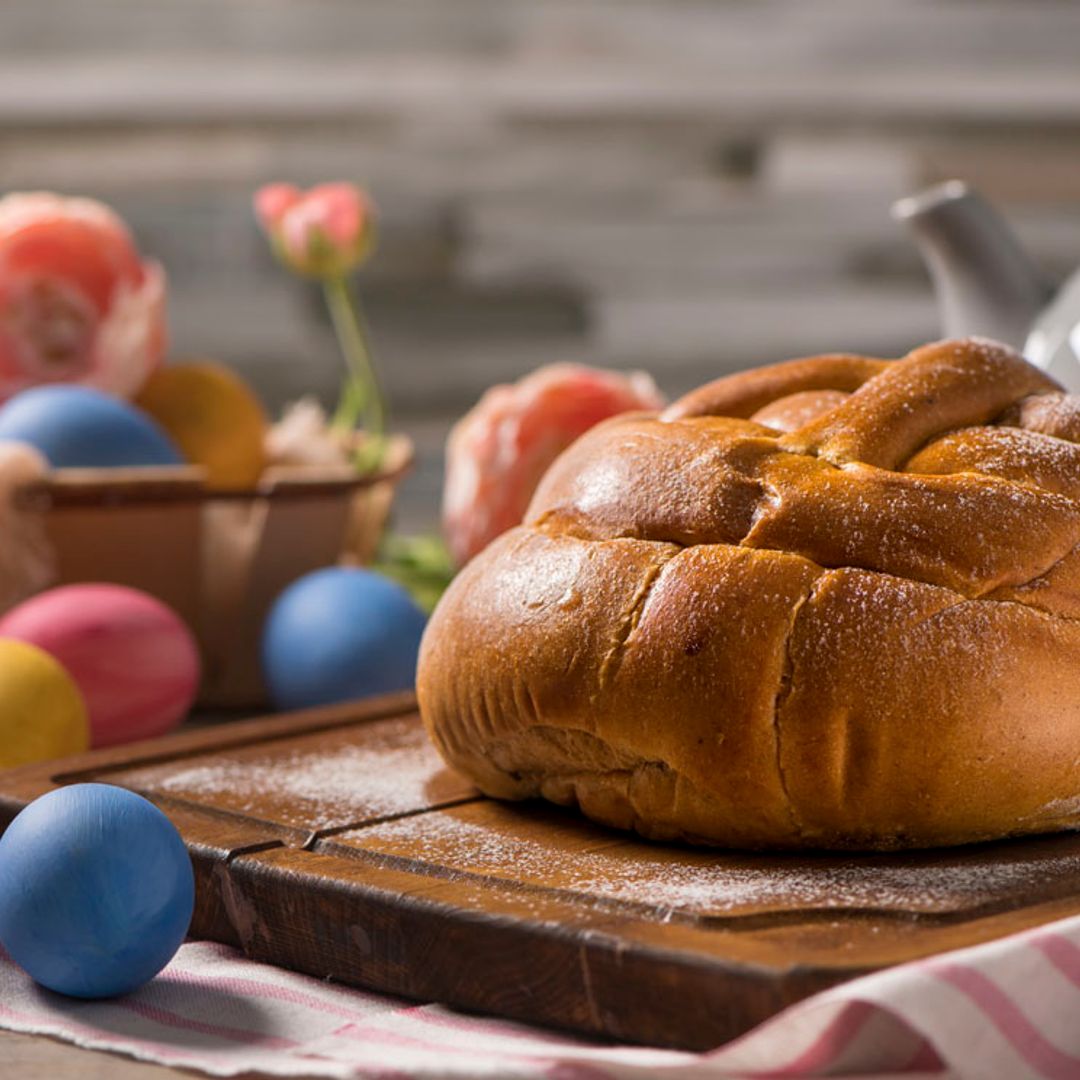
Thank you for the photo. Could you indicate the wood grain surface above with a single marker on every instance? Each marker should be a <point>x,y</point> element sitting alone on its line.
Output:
<point>336,843</point>
<point>689,186</point>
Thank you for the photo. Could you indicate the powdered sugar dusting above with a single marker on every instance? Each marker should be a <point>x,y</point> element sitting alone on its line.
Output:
<point>1062,809</point>
<point>681,882</point>
<point>394,771</point>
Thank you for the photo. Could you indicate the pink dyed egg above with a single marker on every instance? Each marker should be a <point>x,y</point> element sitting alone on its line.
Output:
<point>132,657</point>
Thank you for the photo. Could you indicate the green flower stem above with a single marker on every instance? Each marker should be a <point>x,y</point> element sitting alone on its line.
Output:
<point>353,338</point>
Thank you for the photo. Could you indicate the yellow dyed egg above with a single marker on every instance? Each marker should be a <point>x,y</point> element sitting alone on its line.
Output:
<point>42,713</point>
<point>213,416</point>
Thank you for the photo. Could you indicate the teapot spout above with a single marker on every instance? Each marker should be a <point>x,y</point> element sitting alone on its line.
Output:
<point>986,285</point>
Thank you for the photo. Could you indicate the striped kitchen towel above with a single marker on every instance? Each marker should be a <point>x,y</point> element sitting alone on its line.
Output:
<point>1010,1009</point>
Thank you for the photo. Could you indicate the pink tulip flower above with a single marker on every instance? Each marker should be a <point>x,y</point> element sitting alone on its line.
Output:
<point>499,450</point>
<point>323,232</point>
<point>76,302</point>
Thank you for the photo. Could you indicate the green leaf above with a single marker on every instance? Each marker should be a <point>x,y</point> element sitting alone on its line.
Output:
<point>422,564</point>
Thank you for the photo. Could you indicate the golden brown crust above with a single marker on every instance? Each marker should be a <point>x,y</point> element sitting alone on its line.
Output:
<point>744,394</point>
<point>861,632</point>
<point>796,410</point>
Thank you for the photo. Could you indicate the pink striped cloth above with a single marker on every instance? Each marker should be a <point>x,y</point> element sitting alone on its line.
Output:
<point>1010,1009</point>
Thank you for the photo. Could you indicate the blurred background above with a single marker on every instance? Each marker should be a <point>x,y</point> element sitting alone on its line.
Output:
<point>686,186</point>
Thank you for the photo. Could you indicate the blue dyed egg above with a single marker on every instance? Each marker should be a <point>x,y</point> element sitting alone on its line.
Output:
<point>96,890</point>
<point>77,427</point>
<point>340,634</point>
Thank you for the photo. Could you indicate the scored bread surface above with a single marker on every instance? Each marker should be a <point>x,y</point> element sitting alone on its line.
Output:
<point>831,603</point>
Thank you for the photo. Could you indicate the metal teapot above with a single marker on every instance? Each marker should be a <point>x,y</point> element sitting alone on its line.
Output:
<point>986,284</point>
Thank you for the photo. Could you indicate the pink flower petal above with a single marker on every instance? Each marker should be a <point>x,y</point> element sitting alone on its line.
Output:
<point>90,255</point>
<point>273,201</point>
<point>131,341</point>
<point>70,276</point>
<point>323,232</point>
<point>300,230</point>
<point>341,211</point>
<point>498,452</point>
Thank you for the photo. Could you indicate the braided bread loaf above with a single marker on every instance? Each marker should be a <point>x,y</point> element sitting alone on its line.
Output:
<point>832,603</point>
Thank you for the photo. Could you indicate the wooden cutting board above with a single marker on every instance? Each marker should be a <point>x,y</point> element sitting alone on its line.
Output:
<point>335,842</point>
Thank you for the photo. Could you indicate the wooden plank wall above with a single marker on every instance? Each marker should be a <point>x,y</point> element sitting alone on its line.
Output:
<point>685,185</point>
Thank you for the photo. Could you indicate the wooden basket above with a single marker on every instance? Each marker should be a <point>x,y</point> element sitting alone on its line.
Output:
<point>218,558</point>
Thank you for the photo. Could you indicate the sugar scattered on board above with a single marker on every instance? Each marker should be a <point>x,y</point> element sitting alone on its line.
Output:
<point>703,883</point>
<point>339,785</point>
